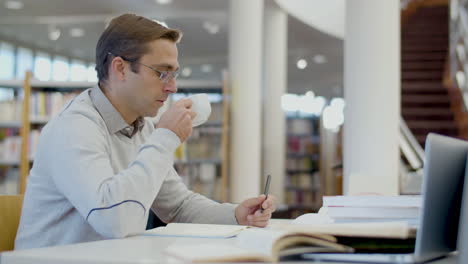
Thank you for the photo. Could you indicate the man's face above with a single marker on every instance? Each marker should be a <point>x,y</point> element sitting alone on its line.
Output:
<point>145,92</point>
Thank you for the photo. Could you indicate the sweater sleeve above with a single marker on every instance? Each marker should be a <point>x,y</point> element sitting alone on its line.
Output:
<point>114,204</point>
<point>175,203</point>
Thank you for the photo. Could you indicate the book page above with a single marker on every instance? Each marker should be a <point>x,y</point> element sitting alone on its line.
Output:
<point>398,230</point>
<point>196,230</point>
<point>205,253</point>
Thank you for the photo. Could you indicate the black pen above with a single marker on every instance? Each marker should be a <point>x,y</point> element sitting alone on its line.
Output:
<point>267,188</point>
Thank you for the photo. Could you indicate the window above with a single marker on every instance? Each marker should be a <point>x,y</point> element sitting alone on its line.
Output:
<point>92,73</point>
<point>7,60</point>
<point>79,72</point>
<point>60,69</point>
<point>24,62</point>
<point>42,66</point>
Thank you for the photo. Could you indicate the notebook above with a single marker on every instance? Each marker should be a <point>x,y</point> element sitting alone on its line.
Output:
<point>196,230</point>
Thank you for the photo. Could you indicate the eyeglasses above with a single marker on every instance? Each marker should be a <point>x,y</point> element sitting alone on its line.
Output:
<point>164,76</point>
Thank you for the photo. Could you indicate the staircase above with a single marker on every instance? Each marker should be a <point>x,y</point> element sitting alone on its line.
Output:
<point>425,103</point>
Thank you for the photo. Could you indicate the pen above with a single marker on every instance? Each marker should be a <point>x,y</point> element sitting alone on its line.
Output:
<point>265,192</point>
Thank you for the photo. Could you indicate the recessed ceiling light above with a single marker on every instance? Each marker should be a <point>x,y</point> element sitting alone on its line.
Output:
<point>54,33</point>
<point>320,59</point>
<point>206,68</point>
<point>77,32</point>
<point>211,27</point>
<point>15,5</point>
<point>186,71</point>
<point>301,64</point>
<point>163,2</point>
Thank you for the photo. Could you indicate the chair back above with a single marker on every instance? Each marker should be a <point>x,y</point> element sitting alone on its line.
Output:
<point>10,213</point>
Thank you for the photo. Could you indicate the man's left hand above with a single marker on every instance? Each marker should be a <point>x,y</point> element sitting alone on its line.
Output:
<point>249,211</point>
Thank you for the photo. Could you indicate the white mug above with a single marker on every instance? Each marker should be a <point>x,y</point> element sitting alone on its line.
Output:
<point>201,106</point>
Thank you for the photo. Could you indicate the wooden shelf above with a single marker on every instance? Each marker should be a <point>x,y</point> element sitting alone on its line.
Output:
<point>18,84</point>
<point>9,162</point>
<point>292,155</point>
<point>17,123</point>
<point>298,171</point>
<point>304,189</point>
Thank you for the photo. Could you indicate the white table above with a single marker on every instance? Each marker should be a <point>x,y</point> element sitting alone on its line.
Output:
<point>139,249</point>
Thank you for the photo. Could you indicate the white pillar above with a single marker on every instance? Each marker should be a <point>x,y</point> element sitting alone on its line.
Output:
<point>274,86</point>
<point>372,94</point>
<point>245,69</point>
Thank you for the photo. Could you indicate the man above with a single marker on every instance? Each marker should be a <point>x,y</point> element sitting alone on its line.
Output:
<point>100,166</point>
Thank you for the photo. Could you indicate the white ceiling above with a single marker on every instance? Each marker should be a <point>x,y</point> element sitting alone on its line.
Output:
<point>29,27</point>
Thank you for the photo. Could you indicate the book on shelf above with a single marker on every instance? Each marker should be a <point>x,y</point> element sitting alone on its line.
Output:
<point>283,241</point>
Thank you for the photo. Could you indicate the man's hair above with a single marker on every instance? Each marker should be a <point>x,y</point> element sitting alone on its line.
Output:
<point>127,36</point>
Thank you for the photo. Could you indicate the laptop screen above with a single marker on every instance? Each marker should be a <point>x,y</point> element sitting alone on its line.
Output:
<point>444,172</point>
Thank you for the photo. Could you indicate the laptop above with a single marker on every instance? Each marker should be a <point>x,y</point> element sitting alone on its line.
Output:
<point>444,173</point>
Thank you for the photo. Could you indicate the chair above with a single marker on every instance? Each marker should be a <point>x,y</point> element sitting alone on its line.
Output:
<point>10,212</point>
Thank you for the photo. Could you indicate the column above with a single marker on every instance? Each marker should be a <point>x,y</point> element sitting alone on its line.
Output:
<point>274,86</point>
<point>245,75</point>
<point>372,95</point>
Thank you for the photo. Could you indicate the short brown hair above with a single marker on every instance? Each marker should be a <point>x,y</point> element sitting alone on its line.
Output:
<point>127,36</point>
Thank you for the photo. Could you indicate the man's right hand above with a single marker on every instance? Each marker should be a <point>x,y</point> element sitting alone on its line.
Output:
<point>178,118</point>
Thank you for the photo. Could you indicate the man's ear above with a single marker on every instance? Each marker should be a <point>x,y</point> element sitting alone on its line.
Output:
<point>118,68</point>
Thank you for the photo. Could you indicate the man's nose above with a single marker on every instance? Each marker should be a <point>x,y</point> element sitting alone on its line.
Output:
<point>170,87</point>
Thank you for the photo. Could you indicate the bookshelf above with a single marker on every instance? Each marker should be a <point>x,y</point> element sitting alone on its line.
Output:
<point>202,163</point>
<point>303,183</point>
<point>21,119</point>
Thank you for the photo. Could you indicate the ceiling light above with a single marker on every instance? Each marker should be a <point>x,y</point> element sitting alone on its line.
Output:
<point>54,33</point>
<point>320,59</point>
<point>186,71</point>
<point>301,64</point>
<point>15,5</point>
<point>163,2</point>
<point>77,32</point>
<point>211,27</point>
<point>206,68</point>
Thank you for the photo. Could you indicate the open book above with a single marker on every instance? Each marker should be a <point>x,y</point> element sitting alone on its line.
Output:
<point>270,245</point>
<point>196,230</point>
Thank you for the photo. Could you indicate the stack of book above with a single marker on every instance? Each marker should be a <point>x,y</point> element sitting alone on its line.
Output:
<point>372,208</point>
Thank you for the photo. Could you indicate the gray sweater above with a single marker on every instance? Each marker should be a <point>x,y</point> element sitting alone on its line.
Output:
<point>94,180</point>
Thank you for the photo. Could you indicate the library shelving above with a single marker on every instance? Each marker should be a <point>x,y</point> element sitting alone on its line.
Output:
<point>303,182</point>
<point>201,161</point>
<point>32,105</point>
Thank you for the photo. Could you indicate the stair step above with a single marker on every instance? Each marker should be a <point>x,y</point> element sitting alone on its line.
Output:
<point>423,87</point>
<point>428,116</point>
<point>424,33</point>
<point>417,65</point>
<point>425,41</point>
<point>429,85</point>
<point>425,98</point>
<point>423,56</point>
<point>424,48</point>
<point>439,130</point>
<point>422,111</point>
<point>405,40</point>
<point>421,75</point>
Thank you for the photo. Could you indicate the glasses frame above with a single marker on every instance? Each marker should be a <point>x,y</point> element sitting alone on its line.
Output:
<point>164,76</point>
